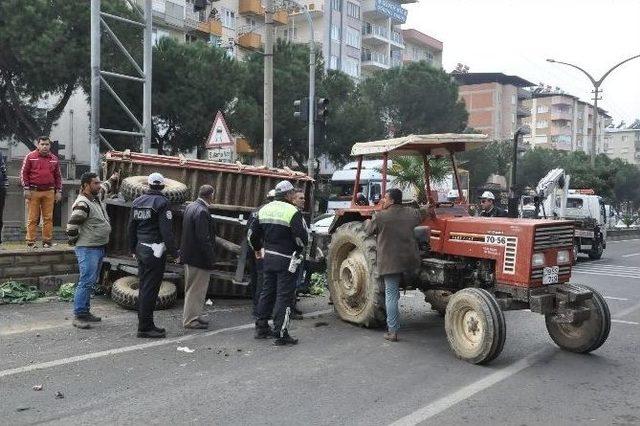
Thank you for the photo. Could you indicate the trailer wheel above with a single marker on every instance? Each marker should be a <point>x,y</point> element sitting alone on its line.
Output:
<point>134,186</point>
<point>356,289</point>
<point>125,293</point>
<point>588,335</point>
<point>475,325</point>
<point>596,253</point>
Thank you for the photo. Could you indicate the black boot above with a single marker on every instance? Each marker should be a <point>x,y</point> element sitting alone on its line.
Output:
<point>154,333</point>
<point>286,339</point>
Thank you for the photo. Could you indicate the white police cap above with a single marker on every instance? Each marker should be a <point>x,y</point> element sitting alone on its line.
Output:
<point>155,179</point>
<point>283,187</point>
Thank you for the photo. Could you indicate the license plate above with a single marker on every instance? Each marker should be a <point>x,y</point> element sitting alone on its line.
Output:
<point>550,274</point>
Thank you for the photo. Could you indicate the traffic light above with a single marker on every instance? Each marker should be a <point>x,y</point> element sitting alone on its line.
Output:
<point>322,110</point>
<point>301,109</point>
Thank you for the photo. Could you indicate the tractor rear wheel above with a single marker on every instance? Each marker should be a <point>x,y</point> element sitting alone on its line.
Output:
<point>475,325</point>
<point>356,289</point>
<point>588,335</point>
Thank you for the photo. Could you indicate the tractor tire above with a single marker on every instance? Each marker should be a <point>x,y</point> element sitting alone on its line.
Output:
<point>134,186</point>
<point>475,325</point>
<point>125,293</point>
<point>356,289</point>
<point>587,336</point>
<point>596,253</point>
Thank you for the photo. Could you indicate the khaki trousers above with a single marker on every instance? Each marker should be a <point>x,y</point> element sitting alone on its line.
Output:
<point>196,283</point>
<point>41,202</point>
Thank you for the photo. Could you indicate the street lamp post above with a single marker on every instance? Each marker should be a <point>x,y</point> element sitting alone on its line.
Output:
<point>514,193</point>
<point>596,93</point>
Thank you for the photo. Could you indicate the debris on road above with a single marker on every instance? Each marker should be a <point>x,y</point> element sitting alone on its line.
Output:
<point>321,324</point>
<point>59,395</point>
<point>66,292</point>
<point>209,302</point>
<point>16,292</point>
<point>37,387</point>
<point>185,349</point>
<point>23,409</point>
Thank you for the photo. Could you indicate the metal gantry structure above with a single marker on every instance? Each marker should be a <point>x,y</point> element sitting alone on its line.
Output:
<point>99,77</point>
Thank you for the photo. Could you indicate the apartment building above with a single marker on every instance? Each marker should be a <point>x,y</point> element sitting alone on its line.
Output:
<point>421,47</point>
<point>494,101</point>
<point>562,121</point>
<point>623,143</point>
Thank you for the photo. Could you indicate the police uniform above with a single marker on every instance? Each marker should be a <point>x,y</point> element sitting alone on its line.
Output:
<point>278,229</point>
<point>151,239</point>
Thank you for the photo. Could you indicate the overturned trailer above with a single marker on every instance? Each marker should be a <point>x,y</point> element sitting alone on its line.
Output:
<point>239,189</point>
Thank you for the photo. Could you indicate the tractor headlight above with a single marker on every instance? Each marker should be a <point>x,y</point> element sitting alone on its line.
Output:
<point>537,259</point>
<point>563,257</point>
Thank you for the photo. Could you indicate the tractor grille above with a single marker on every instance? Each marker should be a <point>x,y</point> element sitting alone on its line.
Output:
<point>553,237</point>
<point>510,254</point>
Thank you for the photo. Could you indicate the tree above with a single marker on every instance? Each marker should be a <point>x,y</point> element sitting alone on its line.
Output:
<point>494,158</point>
<point>44,57</point>
<point>409,173</point>
<point>416,98</point>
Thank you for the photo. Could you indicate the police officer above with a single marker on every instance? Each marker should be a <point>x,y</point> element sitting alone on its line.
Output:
<point>255,265</point>
<point>151,239</point>
<point>488,206</point>
<point>279,236</point>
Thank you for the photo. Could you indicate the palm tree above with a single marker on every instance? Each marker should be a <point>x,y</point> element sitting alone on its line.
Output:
<point>409,173</point>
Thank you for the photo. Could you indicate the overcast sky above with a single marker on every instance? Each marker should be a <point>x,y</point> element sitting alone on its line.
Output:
<point>516,36</point>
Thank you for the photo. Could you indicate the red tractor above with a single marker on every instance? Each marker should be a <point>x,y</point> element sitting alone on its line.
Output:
<point>473,268</point>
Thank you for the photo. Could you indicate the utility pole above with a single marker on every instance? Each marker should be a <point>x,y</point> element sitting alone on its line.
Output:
<point>596,93</point>
<point>146,65</point>
<point>268,85</point>
<point>94,138</point>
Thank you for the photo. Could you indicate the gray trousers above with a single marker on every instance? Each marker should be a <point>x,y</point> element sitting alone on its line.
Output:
<point>196,283</point>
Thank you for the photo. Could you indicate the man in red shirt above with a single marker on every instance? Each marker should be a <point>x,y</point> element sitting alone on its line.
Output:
<point>42,185</point>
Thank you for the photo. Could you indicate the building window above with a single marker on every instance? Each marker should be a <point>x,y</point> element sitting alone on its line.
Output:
<point>542,109</point>
<point>351,66</point>
<point>336,5</point>
<point>353,10</point>
<point>352,37</point>
<point>290,34</point>
<point>333,62</point>
<point>335,33</point>
<point>228,19</point>
<point>542,124</point>
<point>513,99</point>
<point>157,35</point>
<point>416,53</point>
<point>513,119</point>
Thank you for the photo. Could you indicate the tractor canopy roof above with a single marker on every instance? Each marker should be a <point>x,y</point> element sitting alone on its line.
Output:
<point>434,144</point>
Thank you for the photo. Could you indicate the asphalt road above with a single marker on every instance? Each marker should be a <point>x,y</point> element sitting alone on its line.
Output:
<point>338,374</point>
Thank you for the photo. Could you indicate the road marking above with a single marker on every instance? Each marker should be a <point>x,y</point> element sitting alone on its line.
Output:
<point>622,241</point>
<point>466,392</point>
<point>608,274</point>
<point>116,351</point>
<point>625,322</point>
<point>631,255</point>
<point>615,298</point>
<point>628,310</point>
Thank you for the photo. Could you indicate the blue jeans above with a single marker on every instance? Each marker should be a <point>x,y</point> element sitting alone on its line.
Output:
<point>391,297</point>
<point>89,263</point>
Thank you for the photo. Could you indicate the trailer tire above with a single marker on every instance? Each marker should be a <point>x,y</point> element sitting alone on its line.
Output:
<point>596,253</point>
<point>134,186</point>
<point>587,336</point>
<point>475,325</point>
<point>356,289</point>
<point>125,293</point>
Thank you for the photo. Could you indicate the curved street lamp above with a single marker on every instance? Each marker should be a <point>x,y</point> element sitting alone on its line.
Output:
<point>596,92</point>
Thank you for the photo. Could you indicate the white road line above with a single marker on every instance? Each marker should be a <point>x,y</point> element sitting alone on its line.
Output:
<point>625,322</point>
<point>622,241</point>
<point>162,342</point>
<point>466,392</point>
<point>631,255</point>
<point>607,266</point>
<point>608,274</point>
<point>628,310</point>
<point>615,298</point>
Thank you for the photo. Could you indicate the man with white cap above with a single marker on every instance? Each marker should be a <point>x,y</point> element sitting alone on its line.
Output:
<point>151,239</point>
<point>488,206</point>
<point>279,236</point>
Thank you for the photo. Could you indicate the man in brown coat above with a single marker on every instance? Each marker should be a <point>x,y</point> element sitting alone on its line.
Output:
<point>397,251</point>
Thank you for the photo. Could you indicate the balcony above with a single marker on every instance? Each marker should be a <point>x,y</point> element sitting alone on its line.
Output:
<point>383,9</point>
<point>397,39</point>
<point>251,41</point>
<point>374,60</point>
<point>210,27</point>
<point>251,7</point>
<point>561,115</point>
<point>560,131</point>
<point>374,35</point>
<point>523,111</point>
<point>281,17</point>
<point>315,10</point>
<point>396,62</point>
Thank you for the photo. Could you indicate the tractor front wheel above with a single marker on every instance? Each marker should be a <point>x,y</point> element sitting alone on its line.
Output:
<point>587,335</point>
<point>475,325</point>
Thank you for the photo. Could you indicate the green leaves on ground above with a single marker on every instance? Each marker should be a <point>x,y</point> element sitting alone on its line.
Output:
<point>15,292</point>
<point>67,291</point>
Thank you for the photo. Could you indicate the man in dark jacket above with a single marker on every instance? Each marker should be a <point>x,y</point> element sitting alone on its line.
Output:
<point>151,238</point>
<point>397,251</point>
<point>488,206</point>
<point>279,236</point>
<point>197,252</point>
<point>4,184</point>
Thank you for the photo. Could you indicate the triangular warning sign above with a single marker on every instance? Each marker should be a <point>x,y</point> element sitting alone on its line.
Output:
<point>219,135</point>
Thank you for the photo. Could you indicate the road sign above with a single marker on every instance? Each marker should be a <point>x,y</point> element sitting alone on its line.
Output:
<point>220,143</point>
